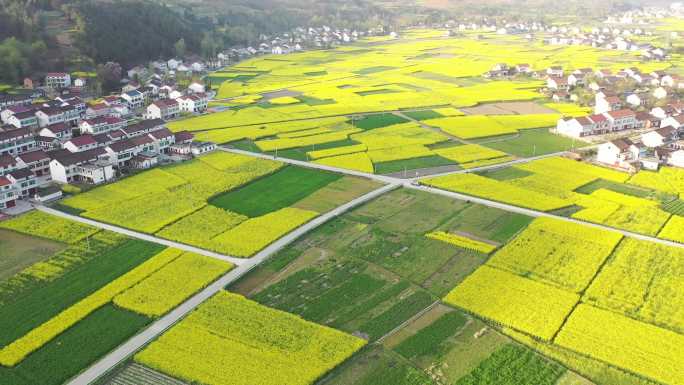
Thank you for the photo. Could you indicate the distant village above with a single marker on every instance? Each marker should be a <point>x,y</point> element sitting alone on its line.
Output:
<point>64,139</point>
<point>645,122</point>
<point>54,131</point>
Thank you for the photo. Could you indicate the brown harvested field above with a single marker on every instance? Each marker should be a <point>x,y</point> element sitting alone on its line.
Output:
<point>280,94</point>
<point>508,108</point>
<point>18,251</point>
<point>337,193</point>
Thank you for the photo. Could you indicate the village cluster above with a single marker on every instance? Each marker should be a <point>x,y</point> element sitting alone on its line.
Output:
<point>67,140</point>
<point>646,122</point>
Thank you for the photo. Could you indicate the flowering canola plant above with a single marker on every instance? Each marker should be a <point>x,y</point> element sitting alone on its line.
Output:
<point>16,351</point>
<point>200,227</point>
<point>561,254</point>
<point>477,185</point>
<point>510,300</point>
<point>172,284</point>
<point>232,340</point>
<point>468,153</point>
<point>674,229</point>
<point>623,342</point>
<point>357,161</point>
<point>461,241</point>
<point>48,226</point>
<point>644,281</point>
<point>254,234</point>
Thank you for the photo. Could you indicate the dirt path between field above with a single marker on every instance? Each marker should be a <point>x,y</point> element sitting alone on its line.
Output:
<point>140,340</point>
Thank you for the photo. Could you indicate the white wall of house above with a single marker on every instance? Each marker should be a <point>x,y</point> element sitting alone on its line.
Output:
<point>572,128</point>
<point>601,105</point>
<point>634,100</point>
<point>608,153</point>
<point>153,112</point>
<point>670,121</point>
<point>652,139</point>
<point>58,172</point>
<point>676,159</point>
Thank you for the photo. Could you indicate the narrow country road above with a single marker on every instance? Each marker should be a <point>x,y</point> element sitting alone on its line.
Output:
<point>413,184</point>
<point>382,178</point>
<point>495,166</point>
<point>537,214</point>
<point>145,237</point>
<point>131,346</point>
<point>379,178</point>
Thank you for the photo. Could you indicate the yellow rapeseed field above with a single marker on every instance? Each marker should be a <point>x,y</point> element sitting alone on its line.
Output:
<point>642,280</point>
<point>632,345</point>
<point>230,340</point>
<point>357,161</point>
<point>461,241</point>
<point>37,223</point>
<point>16,351</point>
<point>477,185</point>
<point>254,234</point>
<point>468,153</point>
<point>172,284</point>
<point>558,253</point>
<point>510,300</point>
<point>673,229</point>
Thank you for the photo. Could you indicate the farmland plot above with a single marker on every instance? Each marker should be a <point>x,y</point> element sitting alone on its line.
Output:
<point>230,339</point>
<point>562,254</point>
<point>654,352</point>
<point>513,301</point>
<point>643,280</point>
<point>513,365</point>
<point>152,206</point>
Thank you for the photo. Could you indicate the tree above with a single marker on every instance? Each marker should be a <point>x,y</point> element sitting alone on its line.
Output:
<point>180,47</point>
<point>109,75</point>
<point>208,46</point>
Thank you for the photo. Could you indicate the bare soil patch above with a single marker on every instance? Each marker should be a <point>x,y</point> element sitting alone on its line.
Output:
<point>508,108</point>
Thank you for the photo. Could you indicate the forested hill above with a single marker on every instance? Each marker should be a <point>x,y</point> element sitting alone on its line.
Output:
<point>38,35</point>
<point>134,31</point>
<point>243,21</point>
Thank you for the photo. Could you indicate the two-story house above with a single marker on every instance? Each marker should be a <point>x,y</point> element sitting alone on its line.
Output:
<point>85,167</point>
<point>143,127</point>
<point>7,164</point>
<point>661,137</point>
<point>97,110</point>
<point>80,143</point>
<point>621,119</point>
<point>24,181</point>
<point>57,80</point>
<point>49,116</point>
<point>101,125</point>
<point>123,151</point>
<point>37,161</point>
<point>618,153</point>
<point>134,99</point>
<point>163,109</point>
<point>60,131</point>
<point>7,195</point>
<point>195,103</point>
<point>15,142</point>
<point>26,119</point>
<point>162,139</point>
